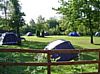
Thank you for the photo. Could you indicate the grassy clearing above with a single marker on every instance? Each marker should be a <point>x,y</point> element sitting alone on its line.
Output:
<point>78,42</point>
<point>34,42</point>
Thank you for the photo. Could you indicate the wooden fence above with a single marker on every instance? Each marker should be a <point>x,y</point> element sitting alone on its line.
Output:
<point>49,63</point>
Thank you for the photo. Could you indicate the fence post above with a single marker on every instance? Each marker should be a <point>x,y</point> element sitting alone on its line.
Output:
<point>49,63</point>
<point>99,64</point>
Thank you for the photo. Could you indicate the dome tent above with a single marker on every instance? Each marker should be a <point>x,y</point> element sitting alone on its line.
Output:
<point>28,34</point>
<point>97,34</point>
<point>46,33</point>
<point>8,38</point>
<point>58,45</point>
<point>73,34</point>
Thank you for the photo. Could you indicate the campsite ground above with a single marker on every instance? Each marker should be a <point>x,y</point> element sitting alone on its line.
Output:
<point>33,42</point>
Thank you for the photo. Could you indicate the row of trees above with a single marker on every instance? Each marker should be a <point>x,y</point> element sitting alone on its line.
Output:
<point>42,26</point>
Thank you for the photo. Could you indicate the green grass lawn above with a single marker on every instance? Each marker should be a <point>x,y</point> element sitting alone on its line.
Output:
<point>33,42</point>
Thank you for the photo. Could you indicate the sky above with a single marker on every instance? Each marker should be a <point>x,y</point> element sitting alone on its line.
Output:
<point>34,8</point>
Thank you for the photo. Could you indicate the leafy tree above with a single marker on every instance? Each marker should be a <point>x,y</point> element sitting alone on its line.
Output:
<point>32,26</point>
<point>90,10</point>
<point>40,26</point>
<point>4,7</point>
<point>69,9</point>
<point>16,20</point>
<point>53,26</point>
<point>5,10</point>
<point>52,22</point>
<point>81,11</point>
<point>32,22</point>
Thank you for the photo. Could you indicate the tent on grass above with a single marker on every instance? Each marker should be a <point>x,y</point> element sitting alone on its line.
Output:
<point>29,34</point>
<point>58,45</point>
<point>97,34</point>
<point>8,38</point>
<point>46,33</point>
<point>73,34</point>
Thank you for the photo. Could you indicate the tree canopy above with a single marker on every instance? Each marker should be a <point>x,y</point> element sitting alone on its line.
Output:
<point>81,12</point>
<point>13,15</point>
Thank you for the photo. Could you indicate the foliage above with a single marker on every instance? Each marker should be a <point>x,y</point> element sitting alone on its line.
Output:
<point>41,26</point>
<point>53,26</point>
<point>16,20</point>
<point>54,31</point>
<point>5,9</point>
<point>89,10</point>
<point>13,17</point>
<point>52,22</point>
<point>80,14</point>
<point>31,27</point>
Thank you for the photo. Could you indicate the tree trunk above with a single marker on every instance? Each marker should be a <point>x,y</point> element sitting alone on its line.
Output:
<point>91,28</point>
<point>37,33</point>
<point>42,33</point>
<point>18,34</point>
<point>92,37</point>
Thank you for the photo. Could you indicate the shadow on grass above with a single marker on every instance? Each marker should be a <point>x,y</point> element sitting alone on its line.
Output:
<point>96,44</point>
<point>40,45</point>
<point>34,44</point>
<point>86,55</point>
<point>77,47</point>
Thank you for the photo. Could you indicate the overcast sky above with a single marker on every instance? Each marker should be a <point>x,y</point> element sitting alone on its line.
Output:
<point>34,8</point>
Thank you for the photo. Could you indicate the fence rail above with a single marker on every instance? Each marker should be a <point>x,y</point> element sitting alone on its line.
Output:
<point>49,63</point>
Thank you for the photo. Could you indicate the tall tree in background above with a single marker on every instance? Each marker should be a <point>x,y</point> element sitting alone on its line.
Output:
<point>70,11</point>
<point>81,11</point>
<point>5,14</point>
<point>4,8</point>
<point>40,26</point>
<point>90,13</point>
<point>16,20</point>
<point>53,26</point>
<point>52,22</point>
<point>32,26</point>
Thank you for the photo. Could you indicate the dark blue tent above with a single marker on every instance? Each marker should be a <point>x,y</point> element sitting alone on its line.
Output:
<point>97,34</point>
<point>73,34</point>
<point>46,33</point>
<point>29,34</point>
<point>8,38</point>
<point>61,44</point>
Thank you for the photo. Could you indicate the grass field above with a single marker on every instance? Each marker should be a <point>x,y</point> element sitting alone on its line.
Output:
<point>33,42</point>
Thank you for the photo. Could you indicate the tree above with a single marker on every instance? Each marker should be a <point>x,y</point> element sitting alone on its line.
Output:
<point>16,19</point>
<point>53,26</point>
<point>5,13</point>
<point>40,26</point>
<point>81,11</point>
<point>90,10</point>
<point>4,7</point>
<point>32,22</point>
<point>70,11</point>
<point>52,22</point>
<point>31,27</point>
